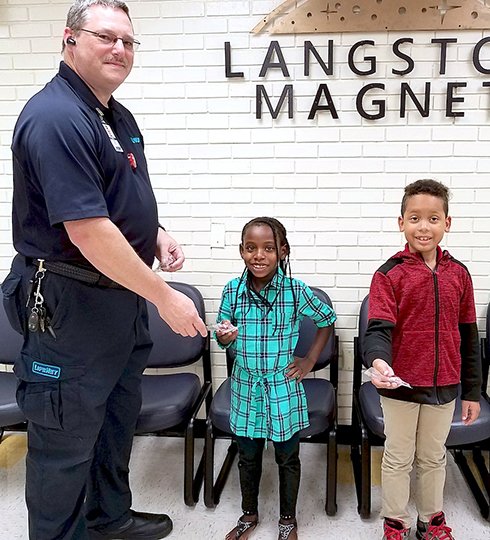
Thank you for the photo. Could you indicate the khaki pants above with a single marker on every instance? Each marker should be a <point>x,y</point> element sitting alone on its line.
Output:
<point>414,433</point>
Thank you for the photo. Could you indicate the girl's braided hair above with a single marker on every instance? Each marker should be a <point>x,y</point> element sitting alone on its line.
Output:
<point>280,240</point>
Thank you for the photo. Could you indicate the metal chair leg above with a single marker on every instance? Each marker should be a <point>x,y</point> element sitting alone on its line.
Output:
<point>331,502</point>
<point>209,466</point>
<point>365,506</point>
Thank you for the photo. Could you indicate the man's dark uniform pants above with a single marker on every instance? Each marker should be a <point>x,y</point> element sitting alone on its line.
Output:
<point>81,394</point>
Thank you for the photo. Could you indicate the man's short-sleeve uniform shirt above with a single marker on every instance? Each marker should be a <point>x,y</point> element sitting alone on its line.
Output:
<point>74,159</point>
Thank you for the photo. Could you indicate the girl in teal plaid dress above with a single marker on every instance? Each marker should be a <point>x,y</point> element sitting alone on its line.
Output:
<point>259,316</point>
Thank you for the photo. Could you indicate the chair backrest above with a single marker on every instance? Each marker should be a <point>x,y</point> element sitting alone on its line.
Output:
<point>307,331</point>
<point>359,345</point>
<point>362,327</point>
<point>10,340</point>
<point>171,349</point>
<point>486,353</point>
<point>487,340</point>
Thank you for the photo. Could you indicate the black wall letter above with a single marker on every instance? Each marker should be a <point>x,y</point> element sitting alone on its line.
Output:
<point>323,89</point>
<point>403,56</point>
<point>228,73</point>
<point>476,56</point>
<point>404,90</point>
<point>380,103</point>
<point>274,47</point>
<point>450,99</point>
<point>261,93</point>
<point>310,47</point>
<point>372,59</point>
<point>443,42</point>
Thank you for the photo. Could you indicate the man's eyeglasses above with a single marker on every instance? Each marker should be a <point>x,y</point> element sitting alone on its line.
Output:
<point>129,44</point>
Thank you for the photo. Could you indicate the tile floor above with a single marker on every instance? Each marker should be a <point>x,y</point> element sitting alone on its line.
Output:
<point>156,477</point>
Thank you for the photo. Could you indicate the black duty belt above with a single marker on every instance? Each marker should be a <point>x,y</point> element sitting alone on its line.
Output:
<point>81,274</point>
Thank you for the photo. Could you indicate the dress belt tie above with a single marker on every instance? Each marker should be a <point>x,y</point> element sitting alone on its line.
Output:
<point>257,389</point>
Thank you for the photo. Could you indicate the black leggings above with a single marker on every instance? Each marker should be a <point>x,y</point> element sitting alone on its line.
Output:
<point>250,469</point>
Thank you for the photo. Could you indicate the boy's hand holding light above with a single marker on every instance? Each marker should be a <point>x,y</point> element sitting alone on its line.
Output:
<point>385,373</point>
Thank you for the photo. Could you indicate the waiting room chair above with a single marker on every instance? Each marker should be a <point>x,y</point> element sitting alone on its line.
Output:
<point>368,431</point>
<point>10,346</point>
<point>172,401</point>
<point>485,350</point>
<point>321,395</point>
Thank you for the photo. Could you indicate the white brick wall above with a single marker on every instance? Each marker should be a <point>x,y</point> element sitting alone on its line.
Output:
<point>336,184</point>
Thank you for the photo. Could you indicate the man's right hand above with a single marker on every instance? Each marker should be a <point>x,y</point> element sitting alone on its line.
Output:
<point>180,313</point>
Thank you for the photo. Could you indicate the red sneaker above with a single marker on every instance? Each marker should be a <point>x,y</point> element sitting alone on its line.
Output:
<point>394,529</point>
<point>435,529</point>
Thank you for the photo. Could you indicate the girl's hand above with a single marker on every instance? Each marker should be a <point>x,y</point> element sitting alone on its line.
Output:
<point>385,372</point>
<point>299,368</point>
<point>226,332</point>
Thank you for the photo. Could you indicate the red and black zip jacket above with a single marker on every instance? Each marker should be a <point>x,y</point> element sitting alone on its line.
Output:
<point>423,323</point>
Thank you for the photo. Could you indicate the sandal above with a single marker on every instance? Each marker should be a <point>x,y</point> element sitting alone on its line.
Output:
<point>243,529</point>
<point>285,530</point>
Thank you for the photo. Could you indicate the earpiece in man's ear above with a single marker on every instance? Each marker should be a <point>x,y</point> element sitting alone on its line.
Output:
<point>71,41</point>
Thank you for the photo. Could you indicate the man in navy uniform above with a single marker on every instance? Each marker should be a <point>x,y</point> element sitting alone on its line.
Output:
<point>86,231</point>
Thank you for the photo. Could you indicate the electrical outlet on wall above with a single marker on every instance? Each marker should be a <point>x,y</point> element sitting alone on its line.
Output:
<point>217,235</point>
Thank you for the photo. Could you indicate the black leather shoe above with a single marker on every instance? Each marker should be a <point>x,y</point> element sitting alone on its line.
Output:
<point>141,526</point>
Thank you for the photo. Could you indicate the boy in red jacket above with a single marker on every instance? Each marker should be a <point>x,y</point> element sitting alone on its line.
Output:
<point>422,328</point>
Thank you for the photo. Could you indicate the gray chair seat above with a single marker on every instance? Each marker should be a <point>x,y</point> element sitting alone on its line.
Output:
<point>320,395</point>
<point>220,407</point>
<point>461,435</point>
<point>167,401</point>
<point>371,409</point>
<point>10,414</point>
